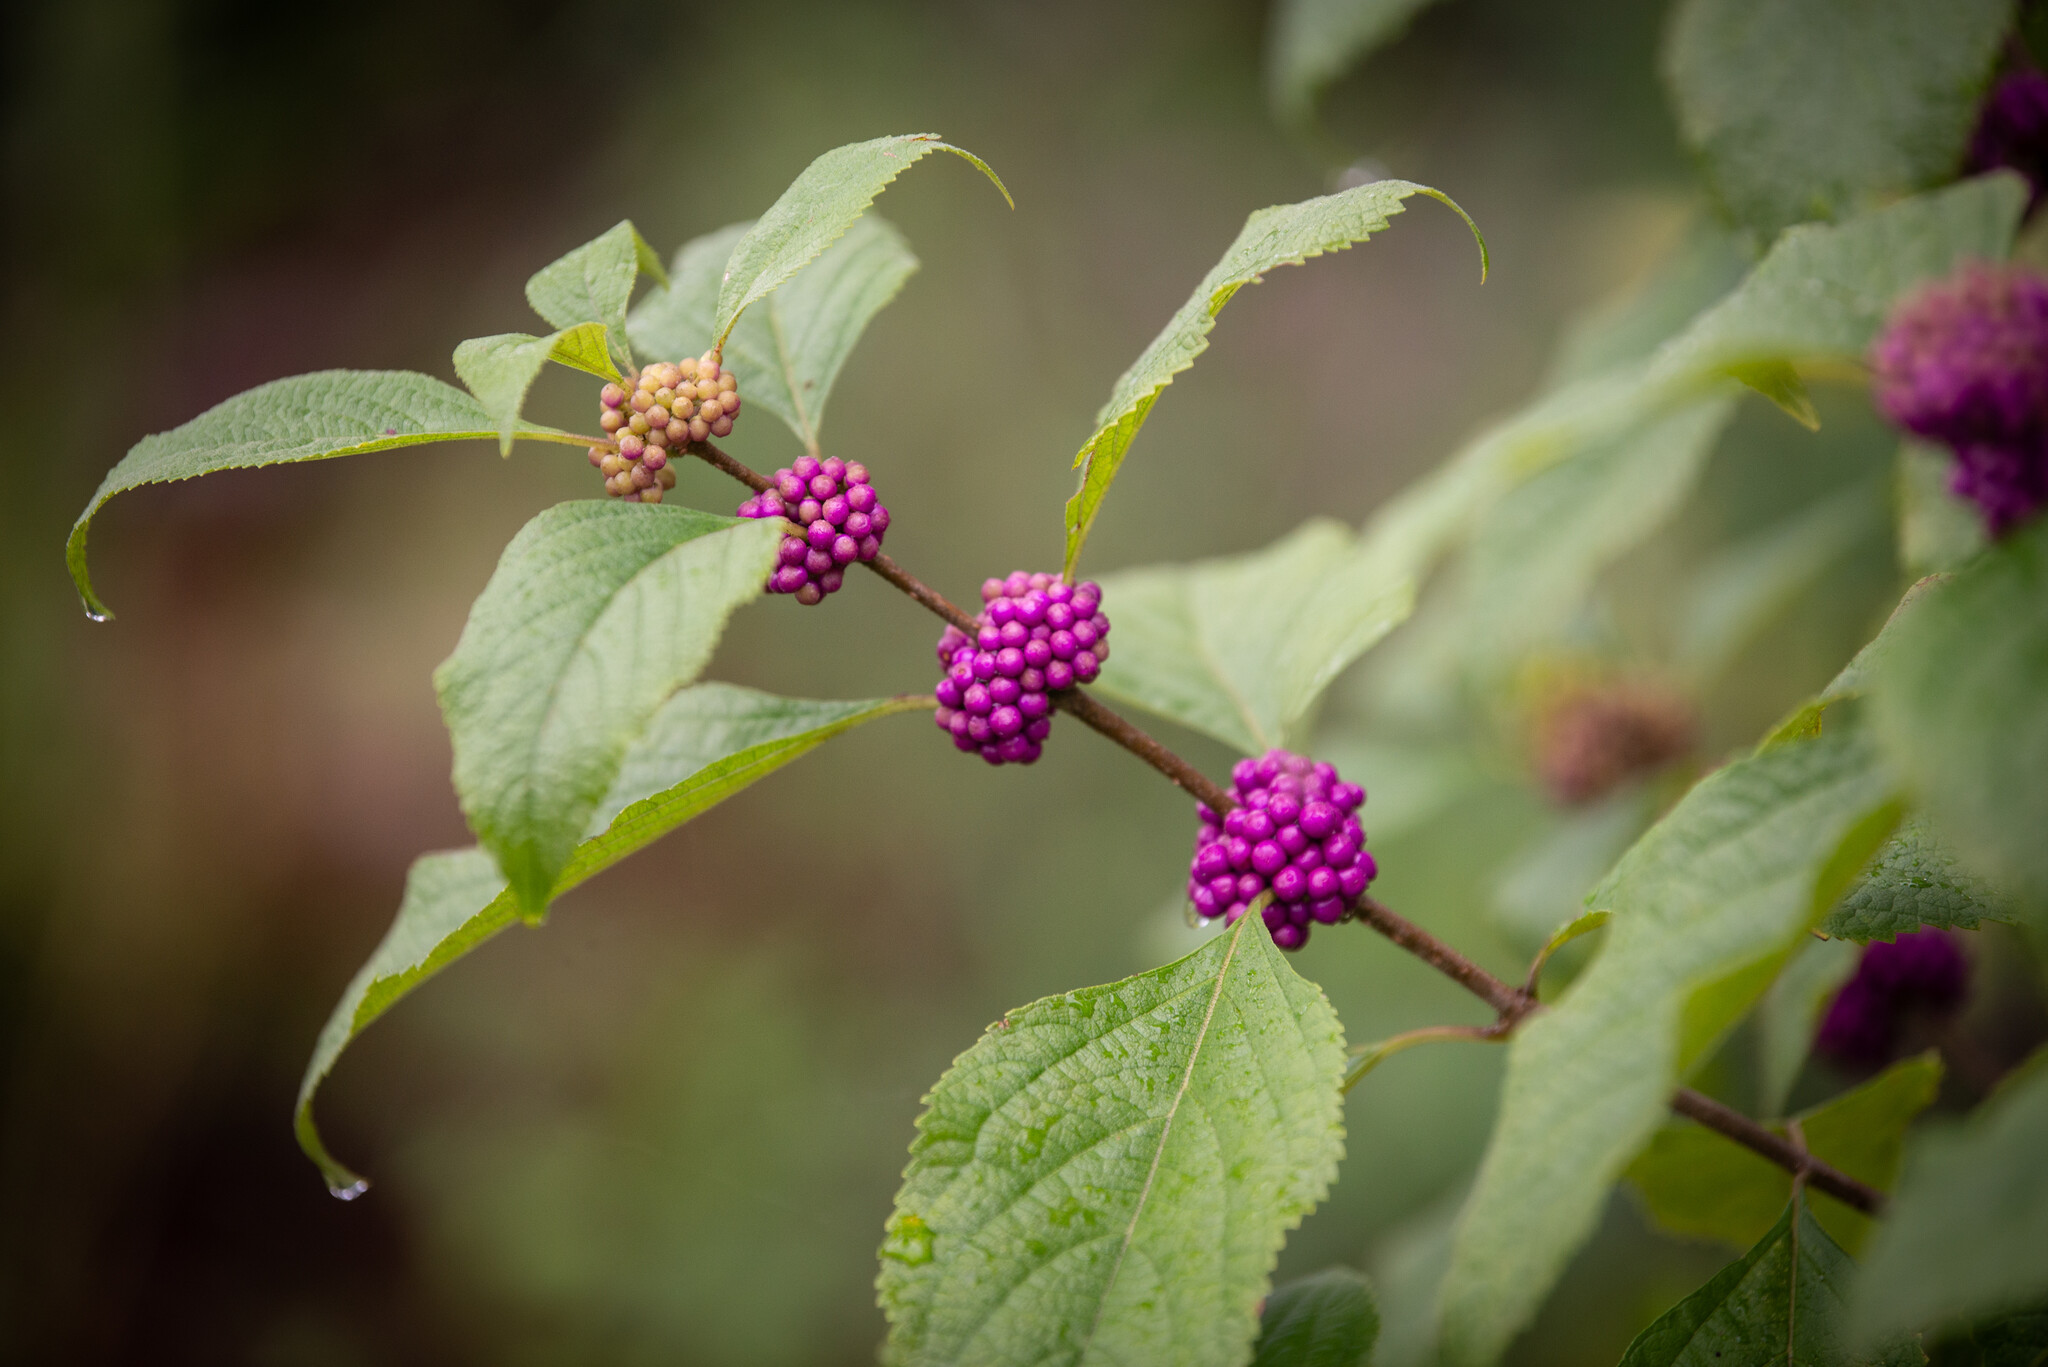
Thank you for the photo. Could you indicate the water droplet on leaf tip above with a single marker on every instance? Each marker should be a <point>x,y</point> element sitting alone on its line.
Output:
<point>347,1191</point>
<point>95,615</point>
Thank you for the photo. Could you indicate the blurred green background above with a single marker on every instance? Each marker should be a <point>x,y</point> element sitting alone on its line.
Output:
<point>667,1126</point>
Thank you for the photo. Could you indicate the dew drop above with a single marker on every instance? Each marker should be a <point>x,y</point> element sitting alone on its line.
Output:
<point>96,615</point>
<point>349,1191</point>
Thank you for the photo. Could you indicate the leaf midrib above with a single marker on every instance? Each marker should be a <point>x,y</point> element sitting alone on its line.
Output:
<point>1166,1130</point>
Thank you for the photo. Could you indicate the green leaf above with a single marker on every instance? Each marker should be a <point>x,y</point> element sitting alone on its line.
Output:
<point>1537,551</point>
<point>1707,906</point>
<point>705,744</point>
<point>1328,1320</point>
<point>1780,1303</point>
<point>594,283</point>
<point>1241,648</point>
<point>1965,1236</point>
<point>1696,1182</point>
<point>1937,530</point>
<point>1780,383</point>
<point>1914,882</point>
<point>1790,1013</point>
<point>1313,42</point>
<point>1284,235</point>
<point>1805,109</point>
<point>596,613</point>
<point>1961,702</point>
<point>500,369</point>
<point>2019,1339</point>
<point>788,352</point>
<point>307,417</point>
<point>1822,291</point>
<point>1107,1175</point>
<point>818,206</point>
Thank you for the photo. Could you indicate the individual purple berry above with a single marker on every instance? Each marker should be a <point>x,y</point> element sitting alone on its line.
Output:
<point>1964,361</point>
<point>2012,132</point>
<point>822,498</point>
<point>1923,971</point>
<point>1294,833</point>
<point>1013,658</point>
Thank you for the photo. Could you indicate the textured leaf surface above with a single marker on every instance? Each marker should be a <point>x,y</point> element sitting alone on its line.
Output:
<point>594,283</point>
<point>1914,882</point>
<point>1780,1303</point>
<point>1241,648</point>
<point>1313,42</point>
<point>1804,109</point>
<point>1284,235</point>
<point>596,613</point>
<point>788,351</point>
<point>1535,553</point>
<point>705,744</point>
<point>818,206</point>
<point>1968,1233</point>
<point>500,369</point>
<point>1107,1175</point>
<point>1962,707</point>
<point>1822,291</point>
<point>307,417</point>
<point>1696,1182</point>
<point>1328,1320</point>
<point>1707,905</point>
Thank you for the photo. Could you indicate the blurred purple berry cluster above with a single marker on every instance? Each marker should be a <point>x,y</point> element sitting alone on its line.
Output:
<point>2012,131</point>
<point>1923,971</point>
<point>1591,739</point>
<point>670,405</point>
<point>842,519</point>
<point>1295,833</point>
<point>1036,635</point>
<point>1964,361</point>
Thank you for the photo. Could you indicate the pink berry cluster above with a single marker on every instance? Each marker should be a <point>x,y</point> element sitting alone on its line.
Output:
<point>1295,833</point>
<point>670,405</point>
<point>842,521</point>
<point>1035,636</point>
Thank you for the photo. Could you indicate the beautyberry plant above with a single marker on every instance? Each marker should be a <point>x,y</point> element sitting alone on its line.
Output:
<point>1109,1175</point>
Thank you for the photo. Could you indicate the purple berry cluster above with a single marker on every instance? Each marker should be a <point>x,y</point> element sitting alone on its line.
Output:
<point>1294,833</point>
<point>1035,636</point>
<point>1923,971</point>
<point>842,520</point>
<point>670,405</point>
<point>2012,131</point>
<point>1965,362</point>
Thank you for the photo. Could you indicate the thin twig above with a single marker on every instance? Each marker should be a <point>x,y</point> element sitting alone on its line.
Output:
<point>1510,1003</point>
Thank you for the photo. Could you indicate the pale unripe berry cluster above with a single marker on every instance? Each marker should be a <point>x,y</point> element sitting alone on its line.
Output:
<point>670,405</point>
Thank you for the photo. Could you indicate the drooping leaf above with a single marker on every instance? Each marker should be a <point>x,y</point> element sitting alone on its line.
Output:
<point>1804,109</point>
<point>1822,291</point>
<point>596,614</point>
<point>1106,1176</point>
<point>1962,707</point>
<point>307,417</point>
<point>1914,882</point>
<point>1779,1303</point>
<point>1696,1182</point>
<point>1790,1014</point>
<point>1707,906</point>
<point>1284,235</point>
<point>818,206</point>
<point>1328,1320</point>
<point>500,369</point>
<point>788,351</point>
<point>1967,1235</point>
<point>705,744</point>
<point>1937,530</point>
<point>1313,42</point>
<point>1241,648</point>
<point>594,283</point>
<point>1535,553</point>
